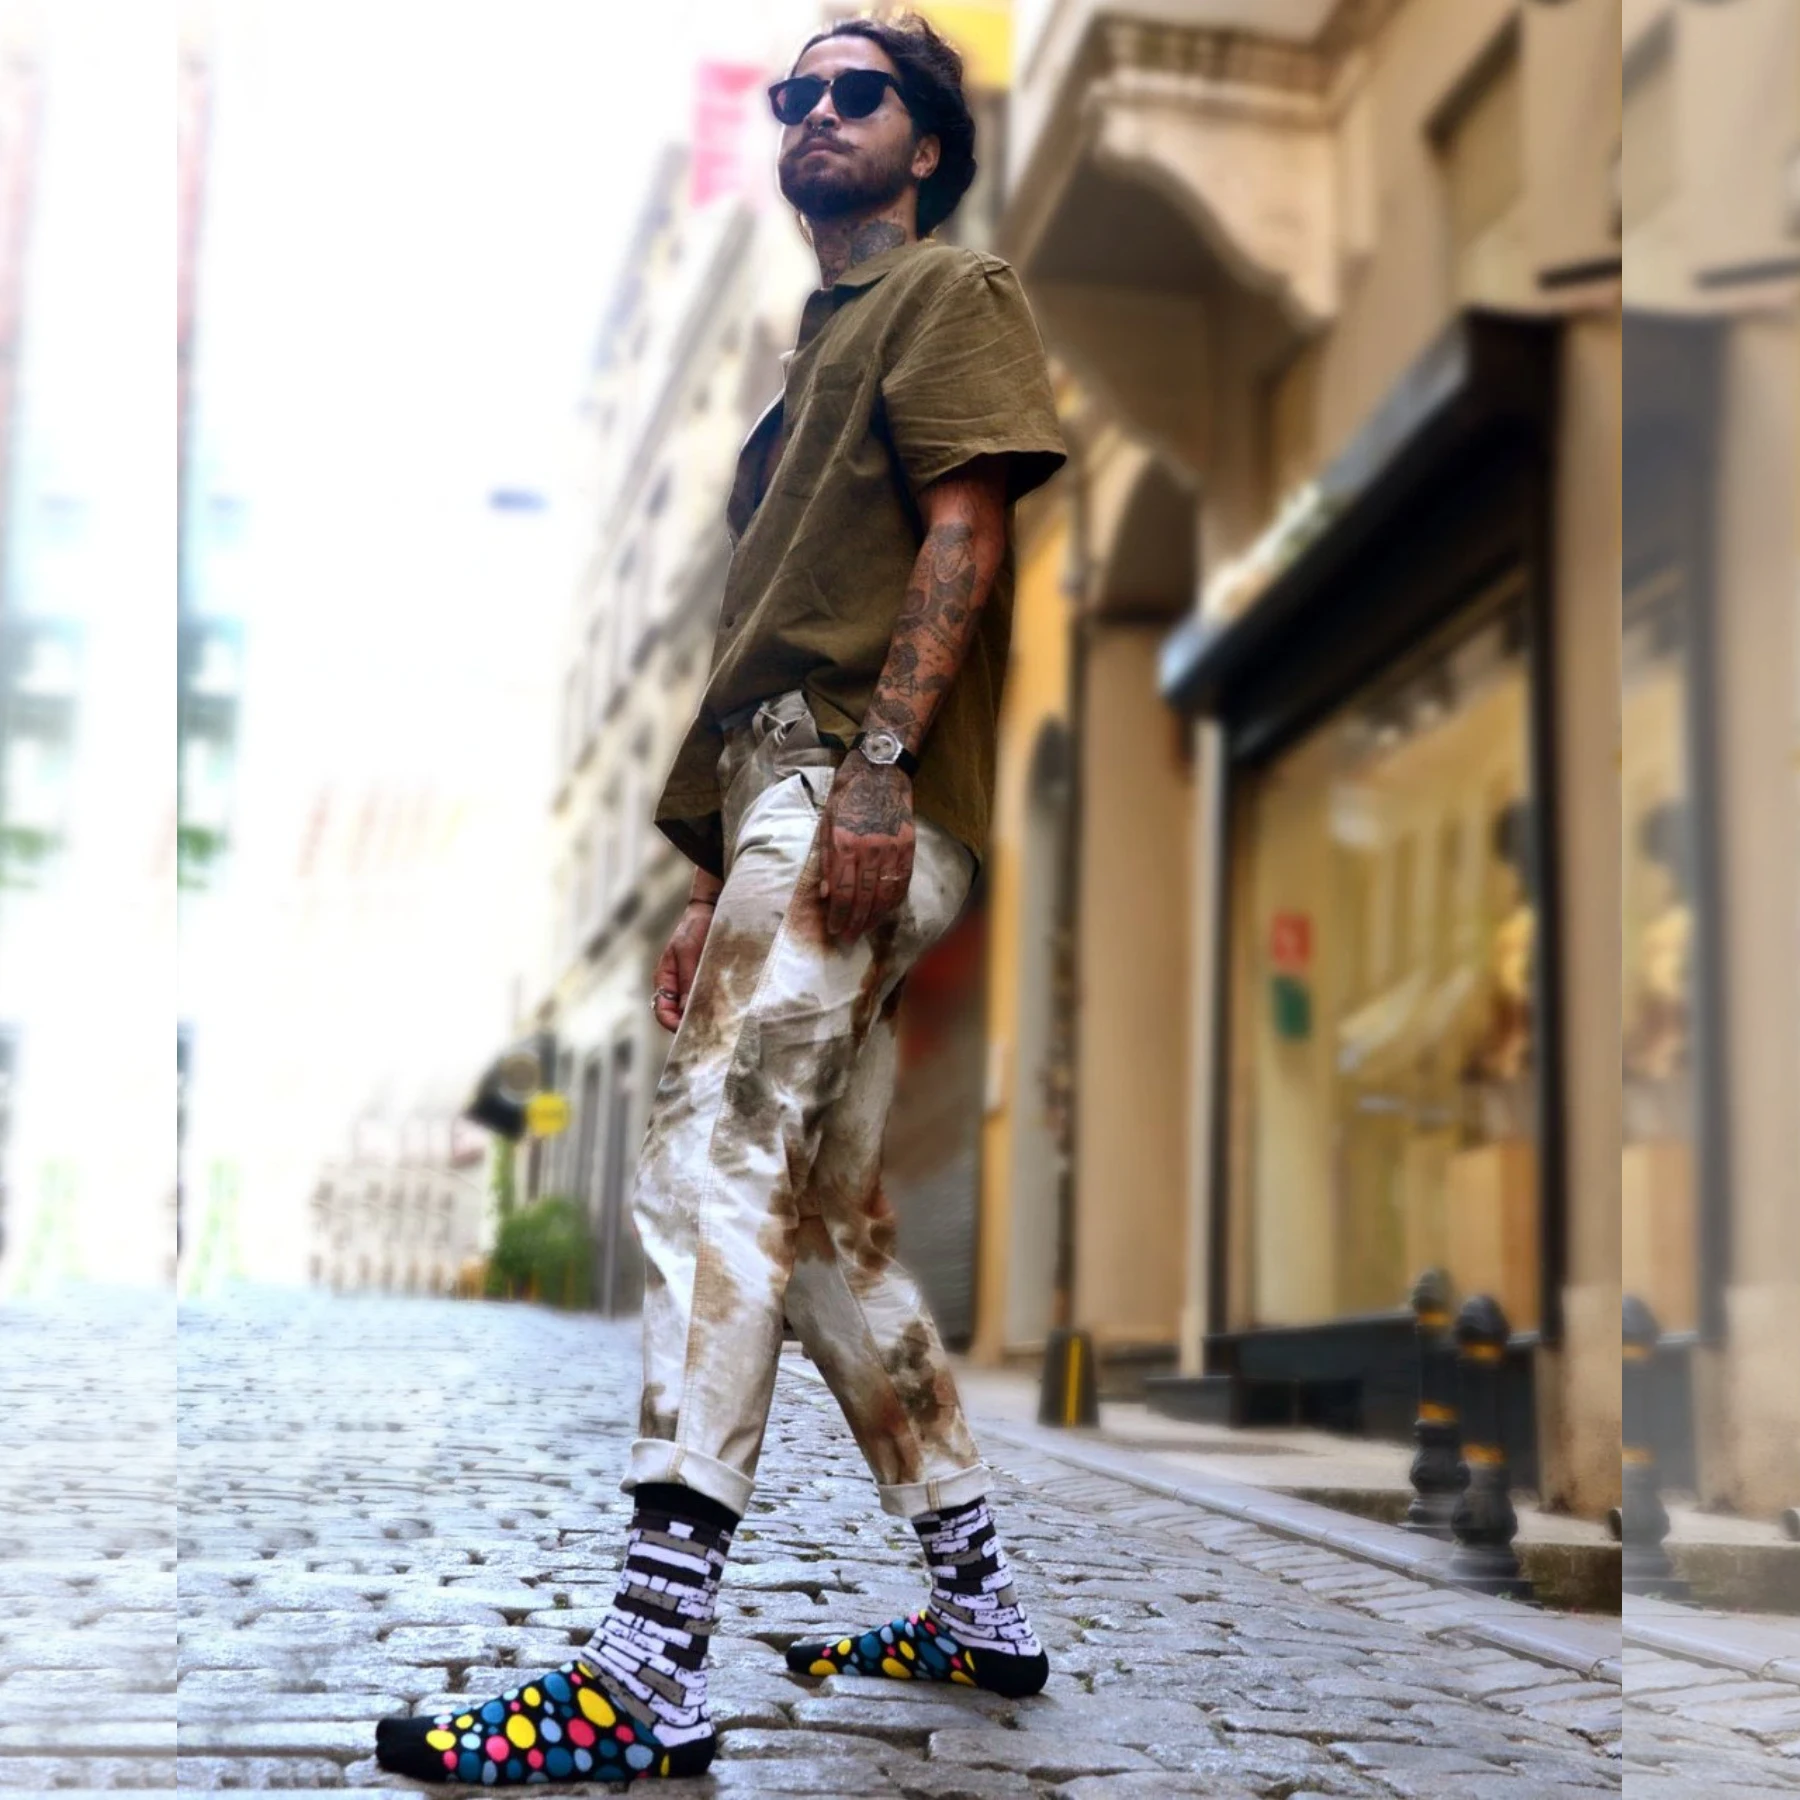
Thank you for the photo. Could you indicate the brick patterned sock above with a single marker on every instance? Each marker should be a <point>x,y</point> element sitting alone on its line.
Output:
<point>631,1704</point>
<point>972,1630</point>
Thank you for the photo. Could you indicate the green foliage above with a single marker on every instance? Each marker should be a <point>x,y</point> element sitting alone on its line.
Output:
<point>542,1252</point>
<point>197,850</point>
<point>23,851</point>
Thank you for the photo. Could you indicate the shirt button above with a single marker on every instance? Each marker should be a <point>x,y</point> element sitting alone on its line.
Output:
<point>729,620</point>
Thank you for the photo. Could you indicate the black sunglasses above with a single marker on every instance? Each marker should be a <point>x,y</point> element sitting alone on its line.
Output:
<point>855,94</point>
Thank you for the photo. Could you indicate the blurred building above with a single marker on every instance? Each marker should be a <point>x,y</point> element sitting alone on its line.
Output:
<point>1327,814</point>
<point>85,902</point>
<point>36,715</point>
<point>209,652</point>
<point>686,355</point>
<point>406,1208</point>
<point>1710,195</point>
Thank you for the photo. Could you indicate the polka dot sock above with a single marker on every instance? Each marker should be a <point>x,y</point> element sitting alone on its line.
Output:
<point>631,1705</point>
<point>972,1630</point>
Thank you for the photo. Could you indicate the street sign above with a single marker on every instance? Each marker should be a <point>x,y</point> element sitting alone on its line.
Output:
<point>546,1115</point>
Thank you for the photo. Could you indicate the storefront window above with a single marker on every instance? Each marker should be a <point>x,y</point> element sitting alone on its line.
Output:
<point>1384,937</point>
<point>1657,1198</point>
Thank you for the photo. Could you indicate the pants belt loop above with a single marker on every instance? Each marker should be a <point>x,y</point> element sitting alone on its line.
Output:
<point>932,1502</point>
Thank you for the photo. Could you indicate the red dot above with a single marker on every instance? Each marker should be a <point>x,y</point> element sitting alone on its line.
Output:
<point>515,1705</point>
<point>449,1759</point>
<point>575,1676</point>
<point>535,1758</point>
<point>498,1748</point>
<point>582,1732</point>
<point>623,1734</point>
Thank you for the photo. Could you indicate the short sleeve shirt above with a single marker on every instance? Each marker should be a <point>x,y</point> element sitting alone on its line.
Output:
<point>908,366</point>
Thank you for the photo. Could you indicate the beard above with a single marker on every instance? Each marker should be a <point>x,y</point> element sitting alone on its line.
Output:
<point>845,181</point>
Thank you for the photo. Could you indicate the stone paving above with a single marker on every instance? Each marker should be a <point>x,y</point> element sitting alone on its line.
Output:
<point>392,1504</point>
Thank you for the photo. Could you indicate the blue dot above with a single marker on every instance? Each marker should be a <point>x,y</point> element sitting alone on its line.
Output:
<point>469,1766</point>
<point>493,1712</point>
<point>556,1687</point>
<point>549,1731</point>
<point>489,1774</point>
<point>639,1756</point>
<point>559,1762</point>
<point>471,1740</point>
<point>583,1761</point>
<point>514,1768</point>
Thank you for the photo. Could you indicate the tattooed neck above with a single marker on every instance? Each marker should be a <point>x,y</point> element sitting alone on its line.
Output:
<point>842,244</point>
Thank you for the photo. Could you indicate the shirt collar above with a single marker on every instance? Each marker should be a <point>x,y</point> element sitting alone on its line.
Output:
<point>869,271</point>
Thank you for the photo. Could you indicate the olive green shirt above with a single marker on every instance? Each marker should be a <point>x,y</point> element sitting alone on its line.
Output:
<point>909,365</point>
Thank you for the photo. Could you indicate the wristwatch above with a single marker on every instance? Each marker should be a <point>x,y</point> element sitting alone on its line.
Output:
<point>885,751</point>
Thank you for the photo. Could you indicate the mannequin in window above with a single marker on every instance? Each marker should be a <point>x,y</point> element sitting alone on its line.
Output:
<point>1502,1053</point>
<point>1657,1037</point>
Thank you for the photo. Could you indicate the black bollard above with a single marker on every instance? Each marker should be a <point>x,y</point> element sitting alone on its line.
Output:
<point>1644,1566</point>
<point>1437,1472</point>
<point>1484,1522</point>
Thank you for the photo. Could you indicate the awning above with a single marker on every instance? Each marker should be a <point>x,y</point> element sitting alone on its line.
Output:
<point>1488,378</point>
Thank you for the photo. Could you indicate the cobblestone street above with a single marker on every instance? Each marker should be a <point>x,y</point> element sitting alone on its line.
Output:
<point>393,1504</point>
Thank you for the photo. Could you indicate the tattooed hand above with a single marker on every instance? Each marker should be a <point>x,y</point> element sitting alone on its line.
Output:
<point>867,847</point>
<point>675,969</point>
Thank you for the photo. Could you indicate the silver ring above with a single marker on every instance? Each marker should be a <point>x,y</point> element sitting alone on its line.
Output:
<point>886,878</point>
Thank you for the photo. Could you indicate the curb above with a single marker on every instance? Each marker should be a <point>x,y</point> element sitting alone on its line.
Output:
<point>1750,1646</point>
<point>1585,1646</point>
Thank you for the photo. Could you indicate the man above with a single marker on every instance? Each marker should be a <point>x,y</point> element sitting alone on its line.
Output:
<point>833,795</point>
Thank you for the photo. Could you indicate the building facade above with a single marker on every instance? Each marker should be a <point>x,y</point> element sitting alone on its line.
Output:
<point>1336,283</point>
<point>688,355</point>
<point>407,1208</point>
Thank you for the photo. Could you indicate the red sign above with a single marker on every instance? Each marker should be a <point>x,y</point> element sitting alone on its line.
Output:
<point>1290,942</point>
<point>724,106</point>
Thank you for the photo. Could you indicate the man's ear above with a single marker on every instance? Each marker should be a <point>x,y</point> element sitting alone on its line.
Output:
<point>925,157</point>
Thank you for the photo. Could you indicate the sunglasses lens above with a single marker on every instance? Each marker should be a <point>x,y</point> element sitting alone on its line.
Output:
<point>794,98</point>
<point>858,92</point>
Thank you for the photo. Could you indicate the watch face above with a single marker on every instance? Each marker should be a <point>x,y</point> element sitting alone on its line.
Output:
<point>881,747</point>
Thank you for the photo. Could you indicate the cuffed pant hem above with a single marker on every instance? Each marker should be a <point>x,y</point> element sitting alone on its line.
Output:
<point>656,1459</point>
<point>909,1499</point>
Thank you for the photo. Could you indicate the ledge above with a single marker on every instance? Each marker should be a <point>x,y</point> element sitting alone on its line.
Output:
<point>1488,376</point>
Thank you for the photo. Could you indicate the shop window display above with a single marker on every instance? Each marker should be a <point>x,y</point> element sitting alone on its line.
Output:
<point>1385,935</point>
<point>1658,1186</point>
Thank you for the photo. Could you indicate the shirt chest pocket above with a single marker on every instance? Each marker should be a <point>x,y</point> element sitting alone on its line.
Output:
<point>824,432</point>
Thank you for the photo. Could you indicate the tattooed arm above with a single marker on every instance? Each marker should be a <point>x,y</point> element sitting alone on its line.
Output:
<point>868,831</point>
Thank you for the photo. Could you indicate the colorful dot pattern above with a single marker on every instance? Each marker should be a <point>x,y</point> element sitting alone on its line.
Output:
<point>916,1648</point>
<point>558,1727</point>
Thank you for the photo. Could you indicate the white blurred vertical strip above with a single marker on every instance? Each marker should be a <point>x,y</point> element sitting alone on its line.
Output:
<point>90,972</point>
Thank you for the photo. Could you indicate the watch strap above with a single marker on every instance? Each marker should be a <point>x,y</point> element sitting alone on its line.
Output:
<point>906,762</point>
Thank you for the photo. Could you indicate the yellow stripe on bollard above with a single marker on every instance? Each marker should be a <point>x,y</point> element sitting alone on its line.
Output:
<point>1072,1384</point>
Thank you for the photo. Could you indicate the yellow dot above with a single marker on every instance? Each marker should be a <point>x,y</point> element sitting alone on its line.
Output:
<point>520,1730</point>
<point>843,1648</point>
<point>531,1696</point>
<point>958,1675</point>
<point>890,1667</point>
<point>465,1722</point>
<point>665,1765</point>
<point>822,1667</point>
<point>441,1740</point>
<point>908,1652</point>
<point>595,1709</point>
